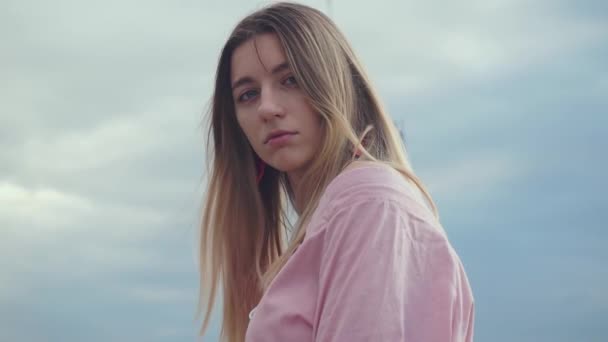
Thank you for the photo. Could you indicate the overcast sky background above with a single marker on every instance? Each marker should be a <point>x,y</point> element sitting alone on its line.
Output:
<point>505,111</point>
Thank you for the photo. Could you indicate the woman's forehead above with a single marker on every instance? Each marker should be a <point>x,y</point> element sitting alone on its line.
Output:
<point>260,55</point>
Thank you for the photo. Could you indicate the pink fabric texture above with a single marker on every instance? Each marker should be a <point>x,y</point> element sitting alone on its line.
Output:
<point>374,266</point>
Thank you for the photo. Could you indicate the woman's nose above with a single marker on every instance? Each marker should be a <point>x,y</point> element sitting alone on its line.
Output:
<point>270,105</point>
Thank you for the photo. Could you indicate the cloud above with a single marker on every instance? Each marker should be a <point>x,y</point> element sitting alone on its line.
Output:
<point>162,295</point>
<point>474,178</point>
<point>420,46</point>
<point>44,208</point>
<point>48,211</point>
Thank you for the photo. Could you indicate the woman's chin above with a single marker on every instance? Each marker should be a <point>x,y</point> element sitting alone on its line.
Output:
<point>287,166</point>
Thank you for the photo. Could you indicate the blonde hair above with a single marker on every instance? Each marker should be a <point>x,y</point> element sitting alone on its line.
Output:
<point>244,224</point>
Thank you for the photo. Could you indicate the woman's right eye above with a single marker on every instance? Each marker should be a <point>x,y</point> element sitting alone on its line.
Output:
<point>246,96</point>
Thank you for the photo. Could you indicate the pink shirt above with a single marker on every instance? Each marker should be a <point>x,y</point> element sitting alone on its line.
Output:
<point>374,266</point>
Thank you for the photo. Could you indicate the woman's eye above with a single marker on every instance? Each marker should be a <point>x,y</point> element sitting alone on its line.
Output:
<point>246,96</point>
<point>291,80</point>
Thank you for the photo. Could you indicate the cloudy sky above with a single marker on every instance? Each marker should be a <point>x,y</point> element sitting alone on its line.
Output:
<point>504,106</point>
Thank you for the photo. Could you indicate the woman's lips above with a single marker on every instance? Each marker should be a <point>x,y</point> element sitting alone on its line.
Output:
<point>280,140</point>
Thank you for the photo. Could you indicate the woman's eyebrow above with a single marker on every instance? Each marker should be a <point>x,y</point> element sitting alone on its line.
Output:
<point>247,79</point>
<point>279,68</point>
<point>242,81</point>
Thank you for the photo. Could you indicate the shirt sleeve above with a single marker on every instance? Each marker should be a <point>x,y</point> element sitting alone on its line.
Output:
<point>386,275</point>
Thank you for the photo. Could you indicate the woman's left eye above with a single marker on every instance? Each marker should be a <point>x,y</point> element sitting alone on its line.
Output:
<point>291,80</point>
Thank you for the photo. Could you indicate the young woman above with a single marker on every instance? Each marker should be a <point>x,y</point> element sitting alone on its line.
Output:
<point>295,121</point>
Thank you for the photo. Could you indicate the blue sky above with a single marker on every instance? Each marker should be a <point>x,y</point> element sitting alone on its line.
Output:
<point>505,111</point>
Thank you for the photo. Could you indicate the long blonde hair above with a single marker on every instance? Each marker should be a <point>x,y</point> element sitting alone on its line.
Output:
<point>244,224</point>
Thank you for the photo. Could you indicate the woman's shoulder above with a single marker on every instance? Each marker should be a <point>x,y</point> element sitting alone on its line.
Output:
<point>374,191</point>
<point>365,181</point>
<point>367,175</point>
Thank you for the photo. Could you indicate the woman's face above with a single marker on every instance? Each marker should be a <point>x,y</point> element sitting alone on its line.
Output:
<point>269,102</point>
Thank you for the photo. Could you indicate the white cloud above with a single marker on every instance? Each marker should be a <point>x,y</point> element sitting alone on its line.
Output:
<point>35,213</point>
<point>432,43</point>
<point>162,294</point>
<point>474,178</point>
<point>45,209</point>
<point>52,234</point>
<point>110,142</point>
<point>116,156</point>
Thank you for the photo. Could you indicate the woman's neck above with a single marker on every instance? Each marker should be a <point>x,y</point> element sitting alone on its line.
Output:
<point>294,179</point>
